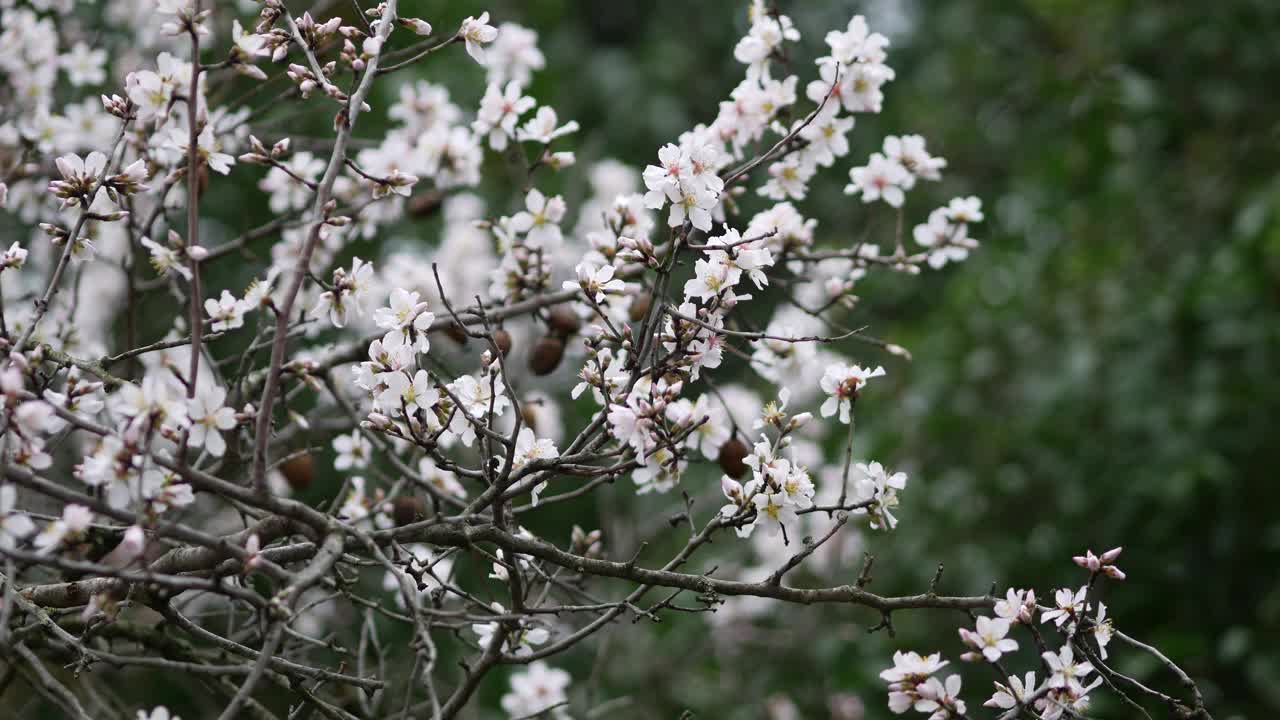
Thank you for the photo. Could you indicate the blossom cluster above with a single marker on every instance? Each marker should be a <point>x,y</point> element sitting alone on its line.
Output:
<point>165,122</point>
<point>1065,690</point>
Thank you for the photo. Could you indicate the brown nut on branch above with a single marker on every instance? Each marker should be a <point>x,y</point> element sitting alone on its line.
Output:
<point>640,306</point>
<point>455,331</point>
<point>546,355</point>
<point>425,204</point>
<point>732,455</point>
<point>299,471</point>
<point>407,509</point>
<point>563,320</point>
<point>529,415</point>
<point>502,339</point>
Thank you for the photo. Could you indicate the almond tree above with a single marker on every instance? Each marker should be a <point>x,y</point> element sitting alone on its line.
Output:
<point>440,377</point>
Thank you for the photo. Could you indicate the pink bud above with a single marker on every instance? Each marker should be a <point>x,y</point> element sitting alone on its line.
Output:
<point>898,350</point>
<point>417,25</point>
<point>11,381</point>
<point>130,547</point>
<point>1088,561</point>
<point>133,432</point>
<point>252,546</point>
<point>732,488</point>
<point>1110,555</point>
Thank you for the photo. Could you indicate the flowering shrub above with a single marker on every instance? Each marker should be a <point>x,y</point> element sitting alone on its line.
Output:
<point>439,379</point>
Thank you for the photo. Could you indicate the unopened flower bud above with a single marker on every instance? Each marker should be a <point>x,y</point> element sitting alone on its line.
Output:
<point>416,25</point>
<point>731,488</point>
<point>130,547</point>
<point>898,350</point>
<point>253,546</point>
<point>561,160</point>
<point>799,421</point>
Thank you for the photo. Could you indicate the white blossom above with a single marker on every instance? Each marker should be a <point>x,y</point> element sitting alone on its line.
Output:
<point>476,33</point>
<point>545,127</point>
<point>209,419</point>
<point>1015,693</point>
<point>880,179</point>
<point>989,637</point>
<point>1066,672</point>
<point>14,525</point>
<point>353,451</point>
<point>227,313</point>
<point>843,383</point>
<point>540,220</point>
<point>1070,606</point>
<point>536,690</point>
<point>875,487</point>
<point>83,65</point>
<point>76,519</point>
<point>499,112</point>
<point>596,282</point>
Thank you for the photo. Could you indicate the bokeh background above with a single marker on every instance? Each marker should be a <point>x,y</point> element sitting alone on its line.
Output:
<point>1104,371</point>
